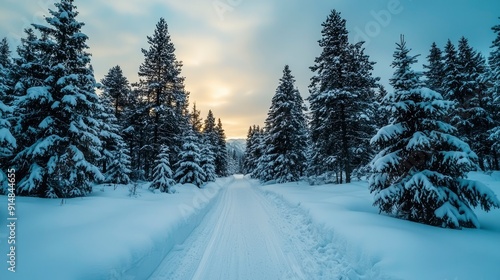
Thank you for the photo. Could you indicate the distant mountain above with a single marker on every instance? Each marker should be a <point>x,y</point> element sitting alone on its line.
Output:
<point>237,145</point>
<point>235,150</point>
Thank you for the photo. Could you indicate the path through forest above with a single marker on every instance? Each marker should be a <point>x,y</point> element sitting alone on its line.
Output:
<point>250,235</point>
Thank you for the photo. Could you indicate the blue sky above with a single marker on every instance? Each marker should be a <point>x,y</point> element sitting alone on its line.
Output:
<point>234,51</point>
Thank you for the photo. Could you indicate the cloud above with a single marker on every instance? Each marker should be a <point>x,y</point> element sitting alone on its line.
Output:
<point>234,50</point>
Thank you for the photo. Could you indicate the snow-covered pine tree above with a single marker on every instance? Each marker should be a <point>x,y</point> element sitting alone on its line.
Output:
<point>435,69</point>
<point>451,83</point>
<point>221,156</point>
<point>8,69</point>
<point>341,89</point>
<point>32,64</point>
<point>284,158</point>
<point>130,121</point>
<point>210,137</point>
<point>187,169</point>
<point>58,158</point>
<point>162,114</point>
<point>247,157</point>
<point>207,161</point>
<point>421,168</point>
<point>257,152</point>
<point>115,160</point>
<point>196,120</point>
<point>472,119</point>
<point>209,129</point>
<point>7,140</point>
<point>119,166</point>
<point>117,88</point>
<point>254,150</point>
<point>162,173</point>
<point>494,77</point>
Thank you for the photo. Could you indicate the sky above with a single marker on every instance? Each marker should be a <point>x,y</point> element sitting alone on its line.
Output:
<point>234,51</point>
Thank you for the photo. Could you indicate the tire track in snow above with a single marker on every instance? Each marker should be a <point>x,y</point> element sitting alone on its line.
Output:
<point>249,234</point>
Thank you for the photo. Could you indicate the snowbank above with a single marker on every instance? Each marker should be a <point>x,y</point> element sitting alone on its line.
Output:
<point>404,250</point>
<point>108,235</point>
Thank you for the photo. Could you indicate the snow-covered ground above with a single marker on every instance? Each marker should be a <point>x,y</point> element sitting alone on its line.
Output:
<point>401,249</point>
<point>108,235</point>
<point>248,236</point>
<point>237,229</point>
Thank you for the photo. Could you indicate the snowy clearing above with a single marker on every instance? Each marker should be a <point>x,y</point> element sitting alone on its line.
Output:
<point>404,250</point>
<point>237,229</point>
<point>108,235</point>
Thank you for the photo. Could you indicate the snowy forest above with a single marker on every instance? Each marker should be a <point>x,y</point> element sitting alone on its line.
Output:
<point>63,131</point>
<point>415,142</point>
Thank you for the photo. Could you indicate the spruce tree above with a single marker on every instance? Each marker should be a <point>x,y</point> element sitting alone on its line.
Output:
<point>472,118</point>
<point>196,120</point>
<point>119,167</point>
<point>421,168</point>
<point>7,141</point>
<point>221,157</point>
<point>451,84</point>
<point>494,91</point>
<point>162,173</point>
<point>115,159</point>
<point>59,153</point>
<point>341,90</point>
<point>257,150</point>
<point>435,69</point>
<point>247,157</point>
<point>284,156</point>
<point>188,169</point>
<point>162,112</point>
<point>116,87</point>
<point>207,161</point>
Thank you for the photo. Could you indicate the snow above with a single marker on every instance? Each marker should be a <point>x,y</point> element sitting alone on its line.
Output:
<point>237,229</point>
<point>107,235</point>
<point>388,132</point>
<point>250,236</point>
<point>401,249</point>
<point>6,137</point>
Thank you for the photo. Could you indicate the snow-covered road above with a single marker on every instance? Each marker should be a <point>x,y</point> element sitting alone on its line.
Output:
<point>249,235</point>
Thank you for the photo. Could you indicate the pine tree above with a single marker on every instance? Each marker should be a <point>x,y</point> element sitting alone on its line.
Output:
<point>196,120</point>
<point>119,166</point>
<point>420,170</point>
<point>162,112</point>
<point>451,83</point>
<point>116,87</point>
<point>210,137</point>
<point>115,159</point>
<point>162,173</point>
<point>257,150</point>
<point>188,168</point>
<point>494,93</point>
<point>7,73</point>
<point>247,158</point>
<point>134,125</point>
<point>341,90</point>
<point>472,118</point>
<point>284,158</point>
<point>207,162</point>
<point>221,157</point>
<point>7,141</point>
<point>58,157</point>
<point>253,150</point>
<point>209,128</point>
<point>435,69</point>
